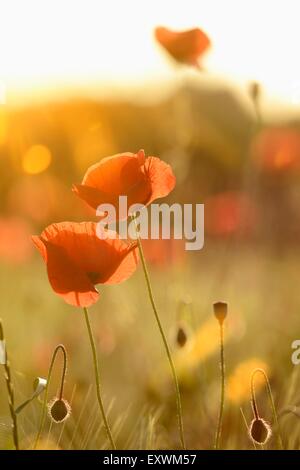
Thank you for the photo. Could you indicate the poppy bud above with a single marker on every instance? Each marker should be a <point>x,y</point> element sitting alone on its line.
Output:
<point>260,431</point>
<point>220,311</point>
<point>254,90</point>
<point>59,410</point>
<point>181,336</point>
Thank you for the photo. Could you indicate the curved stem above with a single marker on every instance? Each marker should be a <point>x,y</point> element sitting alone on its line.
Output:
<point>167,348</point>
<point>258,115</point>
<point>253,398</point>
<point>63,374</point>
<point>10,392</point>
<point>222,398</point>
<point>98,388</point>
<point>58,348</point>
<point>270,395</point>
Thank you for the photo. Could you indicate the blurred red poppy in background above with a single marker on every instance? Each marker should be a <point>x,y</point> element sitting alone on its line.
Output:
<point>229,213</point>
<point>26,194</point>
<point>141,179</point>
<point>185,46</point>
<point>77,259</point>
<point>15,246</point>
<point>277,150</point>
<point>164,254</point>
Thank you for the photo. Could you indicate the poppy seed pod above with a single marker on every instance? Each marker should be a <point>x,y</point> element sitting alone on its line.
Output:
<point>260,431</point>
<point>254,90</point>
<point>220,310</point>
<point>59,410</point>
<point>181,336</point>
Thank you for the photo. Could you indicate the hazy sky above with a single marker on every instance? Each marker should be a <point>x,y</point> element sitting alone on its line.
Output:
<point>65,43</point>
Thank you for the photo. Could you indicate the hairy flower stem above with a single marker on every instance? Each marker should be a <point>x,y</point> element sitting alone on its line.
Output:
<point>167,348</point>
<point>98,388</point>
<point>58,348</point>
<point>222,398</point>
<point>272,404</point>
<point>10,392</point>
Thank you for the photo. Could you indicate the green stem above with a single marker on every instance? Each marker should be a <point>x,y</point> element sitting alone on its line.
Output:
<point>271,399</point>
<point>98,388</point>
<point>58,348</point>
<point>167,348</point>
<point>253,398</point>
<point>222,398</point>
<point>10,392</point>
<point>258,115</point>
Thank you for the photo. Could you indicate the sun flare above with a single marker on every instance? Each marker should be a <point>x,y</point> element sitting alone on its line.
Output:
<point>57,45</point>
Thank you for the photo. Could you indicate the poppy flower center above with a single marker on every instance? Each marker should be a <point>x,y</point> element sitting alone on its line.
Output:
<point>93,277</point>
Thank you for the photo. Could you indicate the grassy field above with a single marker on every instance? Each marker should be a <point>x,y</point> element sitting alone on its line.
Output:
<point>261,288</point>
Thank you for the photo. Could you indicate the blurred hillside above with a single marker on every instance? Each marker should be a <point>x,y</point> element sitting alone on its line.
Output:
<point>209,135</point>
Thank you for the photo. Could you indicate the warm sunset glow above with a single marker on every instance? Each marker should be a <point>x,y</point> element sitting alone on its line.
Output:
<point>58,45</point>
<point>3,125</point>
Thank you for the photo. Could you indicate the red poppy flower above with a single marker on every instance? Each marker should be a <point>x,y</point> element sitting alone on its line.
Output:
<point>77,259</point>
<point>164,254</point>
<point>230,212</point>
<point>15,246</point>
<point>184,46</point>
<point>139,178</point>
<point>277,150</point>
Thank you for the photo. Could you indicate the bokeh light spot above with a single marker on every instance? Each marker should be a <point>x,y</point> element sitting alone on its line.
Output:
<point>238,384</point>
<point>36,159</point>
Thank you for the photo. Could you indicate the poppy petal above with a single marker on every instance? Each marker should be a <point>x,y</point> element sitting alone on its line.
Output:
<point>161,177</point>
<point>116,174</point>
<point>79,255</point>
<point>184,46</point>
<point>141,179</point>
<point>126,268</point>
<point>40,246</point>
<point>94,197</point>
<point>119,175</point>
<point>66,279</point>
<point>89,246</point>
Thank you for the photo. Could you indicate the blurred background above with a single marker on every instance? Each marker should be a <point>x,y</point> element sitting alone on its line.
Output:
<point>81,81</point>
